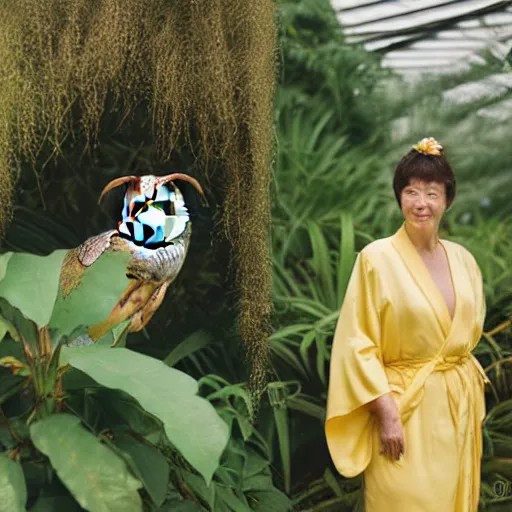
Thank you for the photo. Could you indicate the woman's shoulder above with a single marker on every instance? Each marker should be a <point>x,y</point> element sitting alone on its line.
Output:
<point>458,248</point>
<point>463,253</point>
<point>375,250</point>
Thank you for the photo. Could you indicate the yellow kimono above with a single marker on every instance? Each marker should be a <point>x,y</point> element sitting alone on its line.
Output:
<point>395,334</point>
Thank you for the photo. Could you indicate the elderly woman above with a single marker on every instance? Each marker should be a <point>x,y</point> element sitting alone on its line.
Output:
<point>406,396</point>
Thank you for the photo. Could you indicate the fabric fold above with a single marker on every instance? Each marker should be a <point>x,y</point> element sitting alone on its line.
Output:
<point>357,374</point>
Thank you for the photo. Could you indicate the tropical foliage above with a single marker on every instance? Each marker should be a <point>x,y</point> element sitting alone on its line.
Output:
<point>126,422</point>
<point>341,123</point>
<point>179,83</point>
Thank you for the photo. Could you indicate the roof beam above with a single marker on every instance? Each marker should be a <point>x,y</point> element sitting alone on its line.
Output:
<point>423,54</point>
<point>389,10</point>
<point>448,13</point>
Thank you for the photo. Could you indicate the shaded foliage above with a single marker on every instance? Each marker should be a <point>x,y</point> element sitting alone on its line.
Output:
<point>200,80</point>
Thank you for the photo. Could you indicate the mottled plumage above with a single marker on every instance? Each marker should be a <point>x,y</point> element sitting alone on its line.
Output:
<point>94,247</point>
<point>155,229</point>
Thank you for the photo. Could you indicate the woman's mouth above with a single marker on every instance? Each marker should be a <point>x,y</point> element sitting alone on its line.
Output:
<point>422,217</point>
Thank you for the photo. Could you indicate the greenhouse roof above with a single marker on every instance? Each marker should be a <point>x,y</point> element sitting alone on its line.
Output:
<point>433,36</point>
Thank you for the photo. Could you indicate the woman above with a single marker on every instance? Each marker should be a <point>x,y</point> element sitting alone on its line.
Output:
<point>406,396</point>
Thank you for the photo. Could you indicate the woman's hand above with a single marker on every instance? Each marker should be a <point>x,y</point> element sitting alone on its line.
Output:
<point>390,425</point>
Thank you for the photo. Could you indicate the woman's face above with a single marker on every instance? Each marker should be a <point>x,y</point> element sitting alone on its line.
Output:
<point>423,203</point>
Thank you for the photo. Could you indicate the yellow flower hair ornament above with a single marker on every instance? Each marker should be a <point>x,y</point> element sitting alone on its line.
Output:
<point>429,146</point>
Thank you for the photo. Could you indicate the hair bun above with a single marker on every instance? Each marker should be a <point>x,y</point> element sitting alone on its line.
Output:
<point>429,146</point>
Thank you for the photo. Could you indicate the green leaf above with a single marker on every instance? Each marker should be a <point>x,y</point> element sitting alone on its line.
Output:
<point>196,341</point>
<point>309,306</point>
<point>55,504</point>
<point>228,497</point>
<point>148,464</point>
<point>198,486</point>
<point>290,330</point>
<point>115,337</point>
<point>100,288</point>
<point>70,352</point>
<point>333,483</point>
<point>287,277</point>
<point>254,463</point>
<point>346,256</point>
<point>177,503</point>
<point>5,327</point>
<point>73,379</point>
<point>121,410</point>
<point>96,476</point>
<point>306,407</point>
<point>191,422</point>
<point>4,260</point>
<point>17,324</point>
<point>281,421</point>
<point>305,345</point>
<point>322,264</point>
<point>322,355</point>
<point>278,349</point>
<point>31,284</point>
<point>270,501</point>
<point>235,391</point>
<point>13,490</point>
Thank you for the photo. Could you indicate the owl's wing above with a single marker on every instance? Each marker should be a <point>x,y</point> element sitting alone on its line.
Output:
<point>94,247</point>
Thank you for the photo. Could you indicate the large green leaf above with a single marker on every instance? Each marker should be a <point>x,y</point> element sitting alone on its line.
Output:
<point>271,500</point>
<point>13,491</point>
<point>4,260</point>
<point>96,476</point>
<point>101,286</point>
<point>346,256</point>
<point>322,264</point>
<point>70,352</point>
<point>56,504</point>
<point>122,411</point>
<point>191,422</point>
<point>148,464</point>
<point>31,284</point>
<point>176,503</point>
<point>197,484</point>
<point>228,499</point>
<point>4,328</point>
<point>17,324</point>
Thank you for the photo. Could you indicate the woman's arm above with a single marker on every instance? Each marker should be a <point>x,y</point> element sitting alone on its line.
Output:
<point>390,425</point>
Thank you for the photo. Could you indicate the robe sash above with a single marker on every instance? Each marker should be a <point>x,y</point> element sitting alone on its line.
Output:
<point>423,368</point>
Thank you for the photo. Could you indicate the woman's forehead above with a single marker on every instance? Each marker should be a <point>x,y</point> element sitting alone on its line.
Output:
<point>416,182</point>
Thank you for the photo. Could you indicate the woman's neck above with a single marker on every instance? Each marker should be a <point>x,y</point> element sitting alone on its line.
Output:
<point>425,241</point>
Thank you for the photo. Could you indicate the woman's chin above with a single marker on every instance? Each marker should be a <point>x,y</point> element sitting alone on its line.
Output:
<point>421,225</point>
<point>418,221</point>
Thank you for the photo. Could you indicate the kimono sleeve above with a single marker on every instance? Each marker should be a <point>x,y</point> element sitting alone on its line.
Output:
<point>357,375</point>
<point>481,308</point>
<point>480,312</point>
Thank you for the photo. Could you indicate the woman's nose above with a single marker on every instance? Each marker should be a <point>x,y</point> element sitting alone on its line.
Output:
<point>420,200</point>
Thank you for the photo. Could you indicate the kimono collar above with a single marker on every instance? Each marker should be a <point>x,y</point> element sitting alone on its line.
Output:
<point>420,273</point>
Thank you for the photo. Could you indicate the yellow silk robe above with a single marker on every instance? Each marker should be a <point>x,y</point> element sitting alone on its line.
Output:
<point>395,334</point>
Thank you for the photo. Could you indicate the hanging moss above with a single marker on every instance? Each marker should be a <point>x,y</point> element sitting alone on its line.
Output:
<point>204,73</point>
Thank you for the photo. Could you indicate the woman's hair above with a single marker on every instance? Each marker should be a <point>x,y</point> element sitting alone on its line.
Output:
<point>425,167</point>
